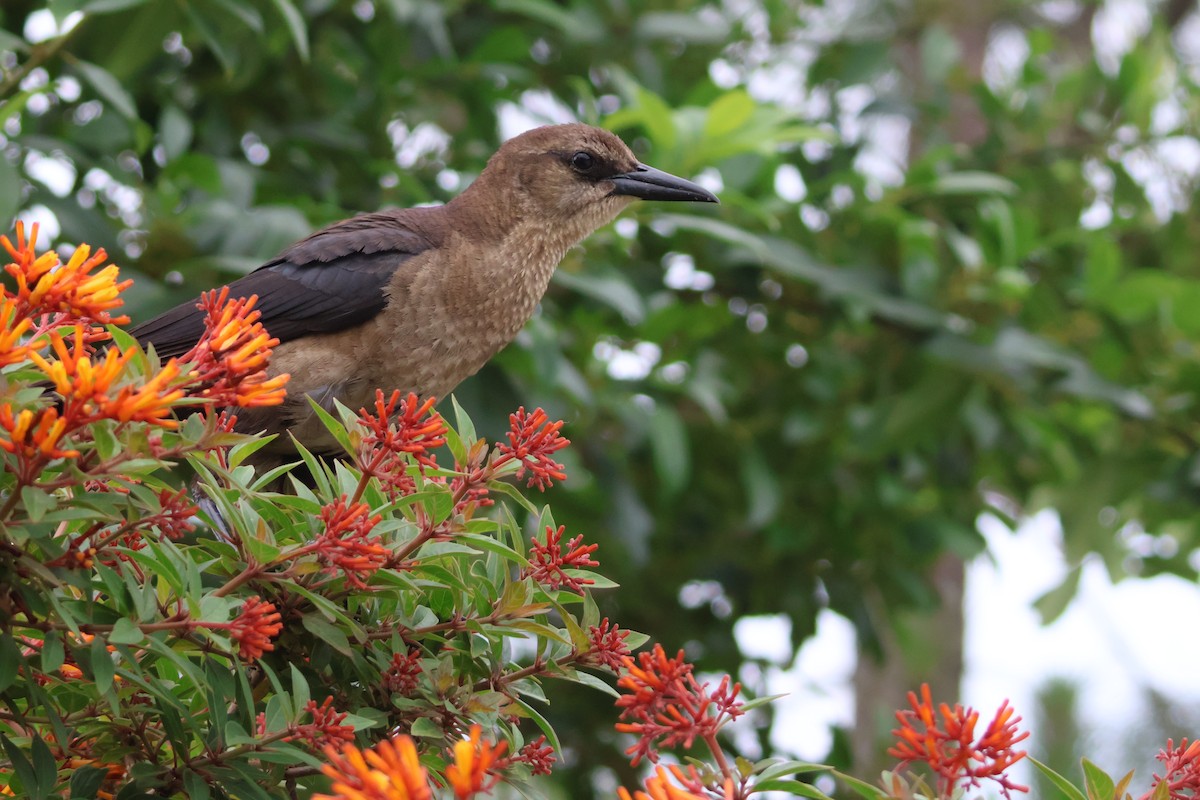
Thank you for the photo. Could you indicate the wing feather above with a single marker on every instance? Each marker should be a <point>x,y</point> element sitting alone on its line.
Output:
<point>332,280</point>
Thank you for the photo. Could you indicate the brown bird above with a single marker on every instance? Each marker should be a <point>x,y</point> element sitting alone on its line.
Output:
<point>418,299</point>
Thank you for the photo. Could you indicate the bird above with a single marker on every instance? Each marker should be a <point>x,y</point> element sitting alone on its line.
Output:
<point>418,299</point>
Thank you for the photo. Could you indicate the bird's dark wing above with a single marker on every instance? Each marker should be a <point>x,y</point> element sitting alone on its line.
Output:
<point>332,280</point>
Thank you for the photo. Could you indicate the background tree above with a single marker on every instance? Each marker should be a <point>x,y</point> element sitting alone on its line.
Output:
<point>951,271</point>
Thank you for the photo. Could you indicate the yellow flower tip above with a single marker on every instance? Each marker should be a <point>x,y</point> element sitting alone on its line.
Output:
<point>390,771</point>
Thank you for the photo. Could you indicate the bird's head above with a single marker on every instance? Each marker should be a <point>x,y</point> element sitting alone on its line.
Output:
<point>576,178</point>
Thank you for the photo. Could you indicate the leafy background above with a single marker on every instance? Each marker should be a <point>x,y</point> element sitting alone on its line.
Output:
<point>953,271</point>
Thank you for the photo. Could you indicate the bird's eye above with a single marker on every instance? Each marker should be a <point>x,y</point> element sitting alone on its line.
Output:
<point>582,162</point>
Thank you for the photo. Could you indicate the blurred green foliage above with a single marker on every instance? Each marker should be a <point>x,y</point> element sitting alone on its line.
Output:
<point>798,400</point>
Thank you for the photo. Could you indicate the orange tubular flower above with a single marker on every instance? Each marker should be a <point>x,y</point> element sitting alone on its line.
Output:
<point>151,402</point>
<point>32,434</point>
<point>47,286</point>
<point>389,771</point>
<point>254,628</point>
<point>74,375</point>
<point>12,329</point>
<point>945,740</point>
<point>231,358</point>
<point>659,787</point>
<point>473,758</point>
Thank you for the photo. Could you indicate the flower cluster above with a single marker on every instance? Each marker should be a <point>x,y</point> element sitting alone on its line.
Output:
<point>346,546</point>
<point>659,786</point>
<point>254,628</point>
<point>475,765</point>
<point>667,706</point>
<point>944,739</point>
<point>548,564</point>
<point>391,770</point>
<point>52,322</point>
<point>327,726</point>
<point>400,677</point>
<point>1181,770</point>
<point>607,647</point>
<point>403,429</point>
<point>60,294</point>
<point>230,360</point>
<point>532,439</point>
<point>538,755</point>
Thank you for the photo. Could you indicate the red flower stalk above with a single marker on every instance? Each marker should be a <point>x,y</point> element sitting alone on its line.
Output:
<point>391,770</point>
<point>548,562</point>
<point>532,440</point>
<point>1181,771</point>
<point>231,357</point>
<point>254,628</point>
<point>474,763</point>
<point>400,677</point>
<point>607,647</point>
<point>346,545</point>
<point>948,745</point>
<point>401,428</point>
<point>538,755</point>
<point>326,726</point>
<point>667,706</point>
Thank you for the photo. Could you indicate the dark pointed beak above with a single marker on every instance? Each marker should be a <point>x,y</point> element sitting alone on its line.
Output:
<point>649,183</point>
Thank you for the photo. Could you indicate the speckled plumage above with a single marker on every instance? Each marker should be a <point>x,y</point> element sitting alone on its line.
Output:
<point>419,299</point>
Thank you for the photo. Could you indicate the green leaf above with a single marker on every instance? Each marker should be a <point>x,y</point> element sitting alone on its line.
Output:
<point>126,631</point>
<point>797,788</point>
<point>970,182</point>
<point>1053,603</point>
<point>426,728</point>
<point>300,690</point>
<point>672,456</point>
<point>588,679</point>
<point>863,788</point>
<point>330,634</point>
<point>20,765</point>
<point>728,112</point>
<point>680,25</point>
<point>10,193</point>
<point>103,668</point>
<point>86,782</point>
<point>613,290</point>
<point>10,661</point>
<point>296,26</point>
<point>335,428</point>
<point>108,6</point>
<point>195,785</point>
<point>1098,783</point>
<point>53,654</point>
<point>37,502</point>
<point>1065,786</point>
<point>785,768</point>
<point>108,87</point>
<point>45,767</point>
<point>10,41</point>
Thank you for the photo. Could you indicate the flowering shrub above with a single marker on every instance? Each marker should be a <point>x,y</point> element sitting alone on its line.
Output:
<point>349,638</point>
